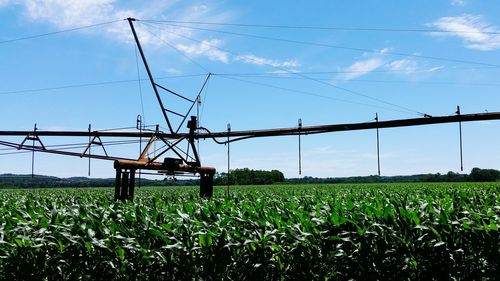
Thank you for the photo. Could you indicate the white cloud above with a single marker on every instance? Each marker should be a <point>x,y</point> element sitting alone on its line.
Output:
<point>384,51</point>
<point>458,2</point>
<point>65,14</point>
<point>409,67</point>
<point>173,71</point>
<point>287,71</point>
<point>252,59</point>
<point>472,29</point>
<point>5,2</point>
<point>70,13</point>
<point>361,68</point>
<point>208,48</point>
<point>436,68</point>
<point>76,13</point>
<point>405,66</point>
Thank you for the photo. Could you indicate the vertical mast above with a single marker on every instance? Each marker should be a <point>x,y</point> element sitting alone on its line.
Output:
<point>153,84</point>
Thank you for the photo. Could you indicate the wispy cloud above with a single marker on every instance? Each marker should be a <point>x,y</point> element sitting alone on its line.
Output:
<point>65,14</point>
<point>5,2</point>
<point>405,66</point>
<point>256,60</point>
<point>285,71</point>
<point>206,48</point>
<point>458,2</point>
<point>472,29</point>
<point>361,68</point>
<point>70,13</point>
<point>380,62</point>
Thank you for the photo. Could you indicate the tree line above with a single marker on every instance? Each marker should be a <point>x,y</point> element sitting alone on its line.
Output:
<point>39,181</point>
<point>245,177</point>
<point>476,175</point>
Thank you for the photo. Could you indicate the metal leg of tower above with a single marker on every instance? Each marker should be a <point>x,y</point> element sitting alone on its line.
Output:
<point>131,186</point>
<point>118,183</point>
<point>206,185</point>
<point>125,185</point>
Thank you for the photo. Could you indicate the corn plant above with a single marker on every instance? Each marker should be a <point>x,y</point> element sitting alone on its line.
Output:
<point>329,232</point>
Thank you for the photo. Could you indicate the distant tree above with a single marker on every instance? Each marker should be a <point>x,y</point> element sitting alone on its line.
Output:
<point>484,175</point>
<point>456,177</point>
<point>247,176</point>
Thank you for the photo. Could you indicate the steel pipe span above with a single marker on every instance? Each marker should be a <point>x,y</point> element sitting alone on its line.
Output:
<point>356,126</point>
<point>273,132</point>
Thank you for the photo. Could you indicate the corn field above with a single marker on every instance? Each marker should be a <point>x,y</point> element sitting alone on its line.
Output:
<point>287,232</point>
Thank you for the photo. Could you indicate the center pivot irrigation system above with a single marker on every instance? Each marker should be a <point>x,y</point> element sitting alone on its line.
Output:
<point>187,162</point>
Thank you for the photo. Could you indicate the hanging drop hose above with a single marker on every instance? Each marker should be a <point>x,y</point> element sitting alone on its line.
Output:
<point>224,142</point>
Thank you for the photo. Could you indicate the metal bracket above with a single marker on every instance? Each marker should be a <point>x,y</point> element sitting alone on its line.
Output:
<point>32,137</point>
<point>96,140</point>
<point>171,146</point>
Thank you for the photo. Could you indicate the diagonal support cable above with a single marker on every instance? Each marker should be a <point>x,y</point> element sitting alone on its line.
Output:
<point>173,112</point>
<point>171,146</point>
<point>173,93</point>
<point>194,102</point>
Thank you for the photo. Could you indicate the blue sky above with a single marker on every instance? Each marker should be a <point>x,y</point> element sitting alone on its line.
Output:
<point>344,72</point>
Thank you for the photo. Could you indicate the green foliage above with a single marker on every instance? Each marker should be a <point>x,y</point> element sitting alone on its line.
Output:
<point>476,175</point>
<point>479,175</point>
<point>329,232</point>
<point>245,177</point>
<point>250,177</point>
<point>27,181</point>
